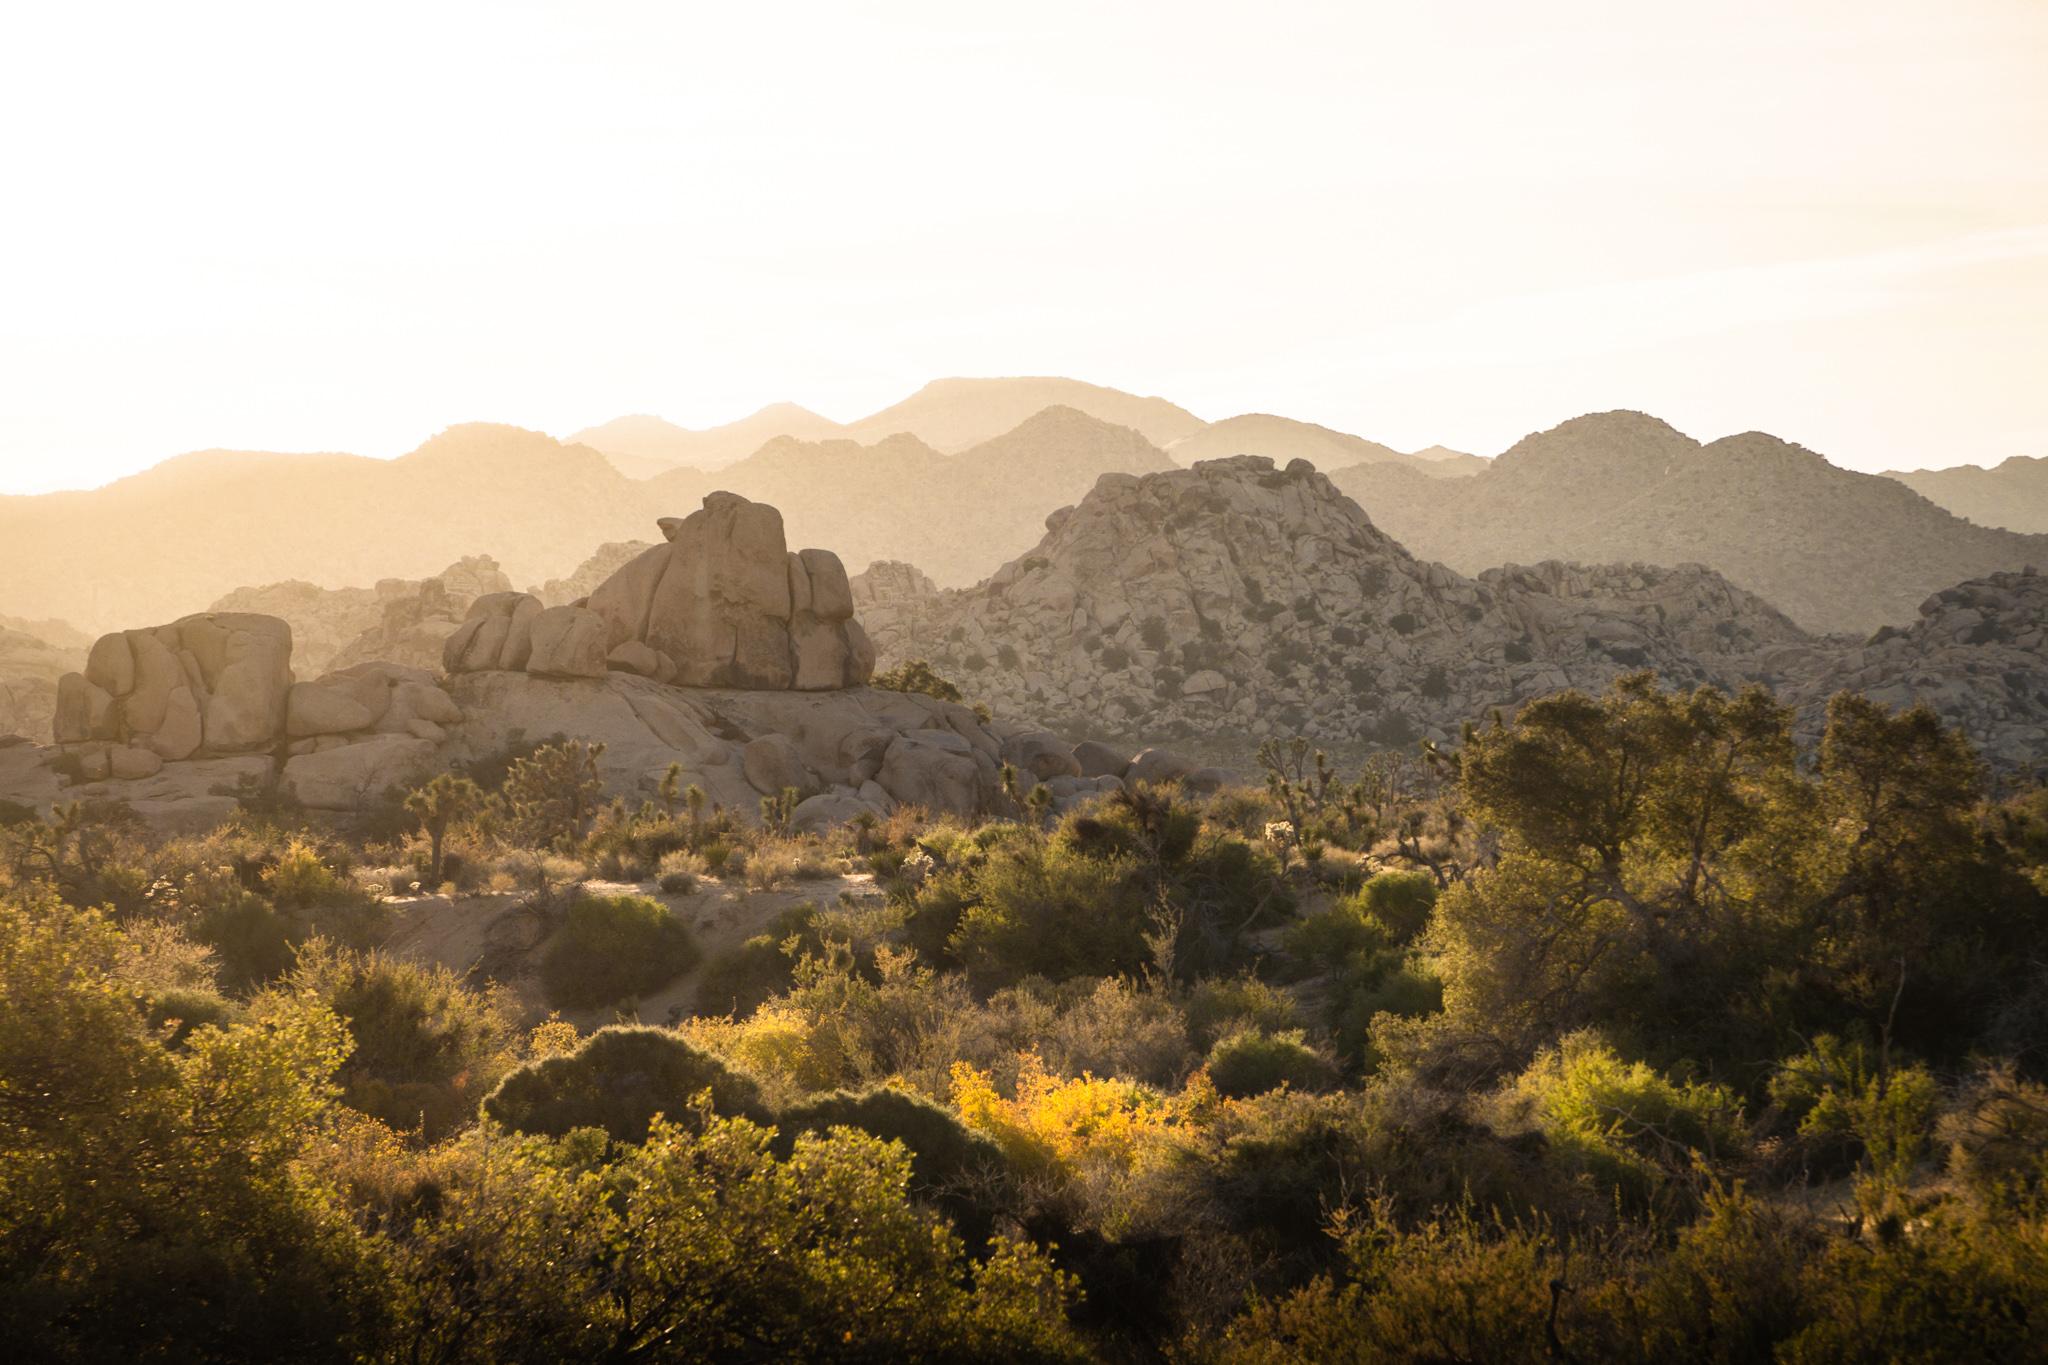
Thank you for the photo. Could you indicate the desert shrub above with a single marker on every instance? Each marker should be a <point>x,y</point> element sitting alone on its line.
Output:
<point>1216,1006</point>
<point>1328,939</point>
<point>252,941</point>
<point>1114,1028</point>
<point>915,675</point>
<point>425,1046</point>
<point>1399,903</point>
<point>618,1079</point>
<point>1373,984</point>
<point>961,1171</point>
<point>173,1014</point>
<point>322,898</point>
<point>1851,1104</point>
<point>1404,623</point>
<point>1997,1138</point>
<point>613,948</point>
<point>778,861</point>
<point>1252,1061</point>
<point>1115,658</point>
<point>1044,908</point>
<point>1630,1126</point>
<point>739,980</point>
<point>679,871</point>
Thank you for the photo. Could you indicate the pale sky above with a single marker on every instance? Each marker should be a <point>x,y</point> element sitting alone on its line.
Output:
<point>295,227</point>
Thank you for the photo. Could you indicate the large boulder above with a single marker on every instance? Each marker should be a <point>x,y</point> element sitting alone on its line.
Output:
<point>211,683</point>
<point>567,642</point>
<point>497,633</point>
<point>350,776</point>
<point>728,604</point>
<point>934,769</point>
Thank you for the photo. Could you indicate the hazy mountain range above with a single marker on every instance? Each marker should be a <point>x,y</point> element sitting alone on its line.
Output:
<point>1834,549</point>
<point>959,478</point>
<point>2012,494</point>
<point>949,415</point>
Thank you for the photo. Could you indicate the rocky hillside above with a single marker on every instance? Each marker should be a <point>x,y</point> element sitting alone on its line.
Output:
<point>1237,599</point>
<point>1834,549</point>
<point>2012,494</point>
<point>1978,654</point>
<point>1282,439</point>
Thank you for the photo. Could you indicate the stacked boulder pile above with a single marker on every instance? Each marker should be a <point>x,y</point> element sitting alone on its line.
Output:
<point>723,602</point>
<point>212,696</point>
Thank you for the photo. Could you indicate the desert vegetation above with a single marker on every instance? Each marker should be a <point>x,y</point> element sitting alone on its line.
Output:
<point>1617,1030</point>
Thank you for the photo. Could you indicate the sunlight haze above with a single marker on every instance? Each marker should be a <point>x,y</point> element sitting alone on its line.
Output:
<point>284,228</point>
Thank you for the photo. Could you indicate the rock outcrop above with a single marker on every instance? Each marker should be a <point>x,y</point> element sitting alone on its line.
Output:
<point>203,686</point>
<point>215,693</point>
<point>1978,655</point>
<point>727,604</point>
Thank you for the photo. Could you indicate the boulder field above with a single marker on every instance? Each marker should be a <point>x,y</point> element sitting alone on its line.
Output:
<point>719,653</point>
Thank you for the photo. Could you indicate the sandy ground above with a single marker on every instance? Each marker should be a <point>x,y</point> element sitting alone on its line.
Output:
<point>499,938</point>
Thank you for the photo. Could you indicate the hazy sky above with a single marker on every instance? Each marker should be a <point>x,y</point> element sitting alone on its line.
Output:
<point>297,227</point>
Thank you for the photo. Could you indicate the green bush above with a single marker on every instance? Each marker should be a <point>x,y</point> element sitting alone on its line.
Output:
<point>916,675</point>
<point>739,980</point>
<point>1399,902</point>
<point>618,1079</point>
<point>425,1046</point>
<point>1218,1006</point>
<point>614,948</point>
<point>173,1014</point>
<point>1252,1061</point>
<point>945,1156</point>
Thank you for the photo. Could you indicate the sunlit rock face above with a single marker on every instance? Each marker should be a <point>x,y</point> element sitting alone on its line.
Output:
<point>725,603</point>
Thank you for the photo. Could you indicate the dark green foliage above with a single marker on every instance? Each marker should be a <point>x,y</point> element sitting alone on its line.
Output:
<point>1399,903</point>
<point>613,948</point>
<point>173,1014</point>
<point>739,980</point>
<point>618,1079</point>
<point>946,1160</point>
<point>916,676</point>
<point>1252,1061</point>
<point>424,1046</point>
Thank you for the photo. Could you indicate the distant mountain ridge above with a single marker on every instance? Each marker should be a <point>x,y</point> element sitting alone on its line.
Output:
<point>2012,494</point>
<point>1834,549</point>
<point>1284,439</point>
<point>194,529</point>
<point>643,446</point>
<point>948,415</point>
